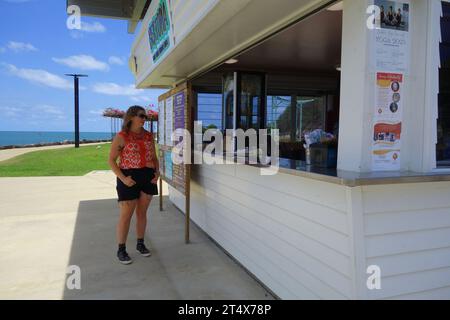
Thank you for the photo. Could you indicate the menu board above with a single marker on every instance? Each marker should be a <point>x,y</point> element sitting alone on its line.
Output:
<point>174,109</point>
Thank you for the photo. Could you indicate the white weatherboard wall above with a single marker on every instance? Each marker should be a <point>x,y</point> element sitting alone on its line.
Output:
<point>407,234</point>
<point>308,239</point>
<point>292,233</point>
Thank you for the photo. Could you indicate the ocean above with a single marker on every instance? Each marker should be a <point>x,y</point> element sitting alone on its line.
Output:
<point>32,137</point>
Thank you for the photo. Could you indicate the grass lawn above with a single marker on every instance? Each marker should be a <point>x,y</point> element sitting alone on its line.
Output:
<point>58,162</point>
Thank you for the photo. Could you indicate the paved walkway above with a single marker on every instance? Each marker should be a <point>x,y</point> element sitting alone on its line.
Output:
<point>6,154</point>
<point>49,223</point>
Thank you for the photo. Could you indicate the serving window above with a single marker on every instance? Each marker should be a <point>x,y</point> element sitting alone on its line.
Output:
<point>290,82</point>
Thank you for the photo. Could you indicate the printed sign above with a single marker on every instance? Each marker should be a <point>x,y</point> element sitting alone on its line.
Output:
<point>391,36</point>
<point>169,121</point>
<point>159,31</point>
<point>173,105</point>
<point>161,121</point>
<point>391,62</point>
<point>387,121</point>
<point>168,164</point>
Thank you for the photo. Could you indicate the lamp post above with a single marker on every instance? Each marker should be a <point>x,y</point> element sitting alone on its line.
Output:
<point>77,106</point>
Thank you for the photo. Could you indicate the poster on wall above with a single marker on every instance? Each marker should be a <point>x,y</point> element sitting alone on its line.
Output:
<point>387,121</point>
<point>159,30</point>
<point>174,104</point>
<point>175,108</point>
<point>391,43</point>
<point>161,120</point>
<point>169,121</point>
<point>391,53</point>
<point>168,165</point>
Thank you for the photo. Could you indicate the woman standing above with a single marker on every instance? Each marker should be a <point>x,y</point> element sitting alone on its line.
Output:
<point>137,175</point>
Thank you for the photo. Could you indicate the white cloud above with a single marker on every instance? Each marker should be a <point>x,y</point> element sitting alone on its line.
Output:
<point>36,112</point>
<point>116,60</point>
<point>39,76</point>
<point>86,27</point>
<point>45,111</point>
<point>141,99</point>
<point>11,112</point>
<point>83,62</point>
<point>114,89</point>
<point>97,112</point>
<point>96,27</point>
<point>144,97</point>
<point>141,96</point>
<point>16,46</point>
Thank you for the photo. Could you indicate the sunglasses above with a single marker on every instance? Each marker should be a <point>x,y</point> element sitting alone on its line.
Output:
<point>142,115</point>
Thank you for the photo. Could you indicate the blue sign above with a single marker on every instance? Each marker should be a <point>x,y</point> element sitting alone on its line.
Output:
<point>159,31</point>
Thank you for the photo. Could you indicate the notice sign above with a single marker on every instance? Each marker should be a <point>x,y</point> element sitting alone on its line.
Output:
<point>161,121</point>
<point>168,164</point>
<point>387,121</point>
<point>174,112</point>
<point>391,36</point>
<point>169,121</point>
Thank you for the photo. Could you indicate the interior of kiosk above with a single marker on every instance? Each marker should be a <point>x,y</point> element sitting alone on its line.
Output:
<point>289,82</point>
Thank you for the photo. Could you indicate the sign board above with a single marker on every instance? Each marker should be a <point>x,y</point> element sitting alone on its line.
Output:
<point>174,113</point>
<point>159,29</point>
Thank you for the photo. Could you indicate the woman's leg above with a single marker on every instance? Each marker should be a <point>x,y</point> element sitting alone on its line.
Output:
<point>123,226</point>
<point>141,214</point>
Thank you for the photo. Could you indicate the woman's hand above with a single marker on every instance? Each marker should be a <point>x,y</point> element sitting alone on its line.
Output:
<point>155,179</point>
<point>128,181</point>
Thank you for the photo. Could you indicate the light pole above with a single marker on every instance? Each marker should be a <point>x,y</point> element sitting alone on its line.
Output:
<point>77,107</point>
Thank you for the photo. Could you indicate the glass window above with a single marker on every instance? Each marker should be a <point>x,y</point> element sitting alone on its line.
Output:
<point>292,116</point>
<point>443,124</point>
<point>310,115</point>
<point>250,87</point>
<point>209,110</point>
<point>228,101</point>
<point>278,114</point>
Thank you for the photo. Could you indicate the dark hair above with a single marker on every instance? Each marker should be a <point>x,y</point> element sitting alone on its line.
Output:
<point>131,112</point>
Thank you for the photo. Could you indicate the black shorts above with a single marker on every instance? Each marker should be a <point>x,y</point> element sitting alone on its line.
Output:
<point>143,178</point>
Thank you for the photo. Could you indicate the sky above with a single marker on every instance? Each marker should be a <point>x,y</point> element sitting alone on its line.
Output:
<point>37,49</point>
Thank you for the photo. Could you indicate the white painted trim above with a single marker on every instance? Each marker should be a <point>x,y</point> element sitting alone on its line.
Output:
<point>431,85</point>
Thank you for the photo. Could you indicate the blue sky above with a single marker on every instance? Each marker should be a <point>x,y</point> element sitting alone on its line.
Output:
<point>37,49</point>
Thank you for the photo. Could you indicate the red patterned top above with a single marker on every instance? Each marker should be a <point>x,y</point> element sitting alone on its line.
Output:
<point>138,151</point>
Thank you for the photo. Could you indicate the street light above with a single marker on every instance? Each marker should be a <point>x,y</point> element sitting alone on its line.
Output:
<point>77,107</point>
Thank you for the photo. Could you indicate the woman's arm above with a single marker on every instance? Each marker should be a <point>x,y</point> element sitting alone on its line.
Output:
<point>116,147</point>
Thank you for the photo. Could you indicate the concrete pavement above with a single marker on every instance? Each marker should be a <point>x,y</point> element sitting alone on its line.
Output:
<point>49,223</point>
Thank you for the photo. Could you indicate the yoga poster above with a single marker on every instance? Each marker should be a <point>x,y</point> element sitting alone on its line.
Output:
<point>391,51</point>
<point>387,121</point>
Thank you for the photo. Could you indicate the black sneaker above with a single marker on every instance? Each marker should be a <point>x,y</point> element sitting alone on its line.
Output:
<point>123,256</point>
<point>140,247</point>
